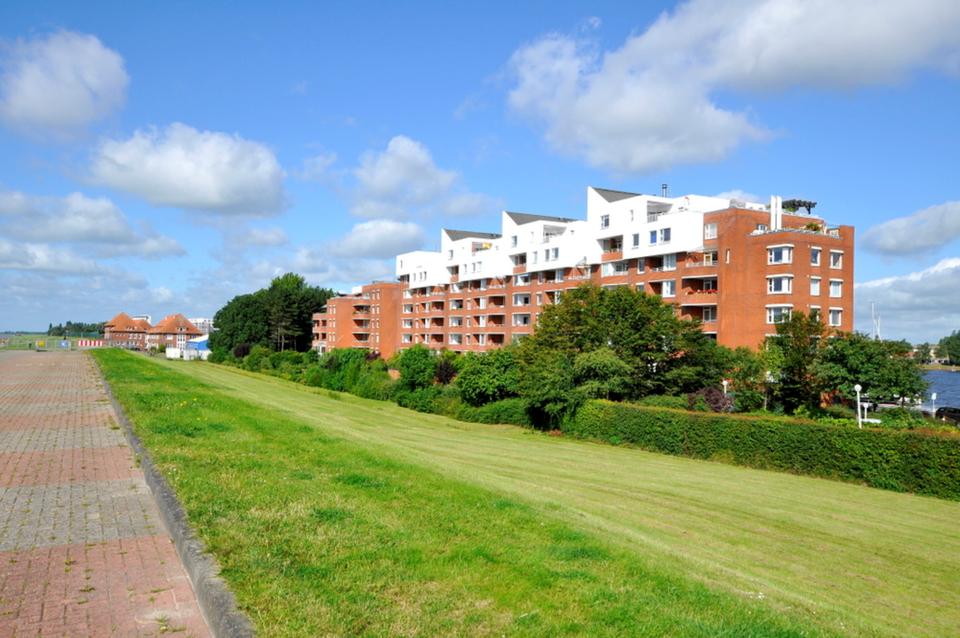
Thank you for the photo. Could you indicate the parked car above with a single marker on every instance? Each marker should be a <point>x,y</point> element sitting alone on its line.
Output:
<point>948,414</point>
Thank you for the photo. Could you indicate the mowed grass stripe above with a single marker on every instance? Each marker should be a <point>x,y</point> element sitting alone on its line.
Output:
<point>319,536</point>
<point>873,560</point>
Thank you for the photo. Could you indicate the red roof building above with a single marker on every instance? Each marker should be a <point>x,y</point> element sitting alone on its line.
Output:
<point>172,332</point>
<point>125,332</point>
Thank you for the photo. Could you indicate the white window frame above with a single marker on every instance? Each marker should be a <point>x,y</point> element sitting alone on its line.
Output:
<point>672,285</point>
<point>786,284</point>
<point>710,230</point>
<point>712,311</point>
<point>785,311</point>
<point>517,319</point>
<point>670,261</point>
<point>604,221</point>
<point>786,252</point>
<point>838,283</point>
<point>838,312</point>
<point>815,286</point>
<point>816,255</point>
<point>521,299</point>
<point>839,261</point>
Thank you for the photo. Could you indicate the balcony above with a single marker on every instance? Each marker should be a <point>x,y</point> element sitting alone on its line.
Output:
<point>698,298</point>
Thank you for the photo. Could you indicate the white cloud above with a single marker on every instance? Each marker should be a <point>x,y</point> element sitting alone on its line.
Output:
<point>59,84</point>
<point>652,103</point>
<point>919,306</point>
<point>45,259</point>
<point>198,170</point>
<point>322,268</point>
<point>379,239</point>
<point>403,181</point>
<point>261,237</point>
<point>919,232</point>
<point>741,195</point>
<point>79,219</point>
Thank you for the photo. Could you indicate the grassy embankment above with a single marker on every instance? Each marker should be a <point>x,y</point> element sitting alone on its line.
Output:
<point>336,514</point>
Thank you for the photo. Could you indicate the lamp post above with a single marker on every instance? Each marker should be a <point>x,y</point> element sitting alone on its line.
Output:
<point>725,383</point>
<point>857,389</point>
<point>933,405</point>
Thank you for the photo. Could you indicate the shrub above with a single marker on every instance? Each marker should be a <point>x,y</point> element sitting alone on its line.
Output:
<point>258,358</point>
<point>218,355</point>
<point>905,461</point>
<point>665,401</point>
<point>422,399</point>
<point>446,367</point>
<point>711,399</point>
<point>241,351</point>
<point>512,411</point>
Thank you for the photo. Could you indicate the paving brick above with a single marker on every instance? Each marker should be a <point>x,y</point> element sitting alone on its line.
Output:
<point>75,465</point>
<point>82,549</point>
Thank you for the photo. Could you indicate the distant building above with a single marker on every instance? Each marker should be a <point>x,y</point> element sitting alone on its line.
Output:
<point>146,318</point>
<point>172,332</point>
<point>739,268</point>
<point>124,331</point>
<point>203,324</point>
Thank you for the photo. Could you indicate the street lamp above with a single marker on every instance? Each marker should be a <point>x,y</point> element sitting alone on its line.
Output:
<point>857,389</point>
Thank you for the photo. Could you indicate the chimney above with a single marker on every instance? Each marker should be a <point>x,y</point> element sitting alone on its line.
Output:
<point>776,212</point>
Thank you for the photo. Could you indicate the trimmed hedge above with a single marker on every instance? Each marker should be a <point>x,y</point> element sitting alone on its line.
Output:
<point>512,411</point>
<point>903,461</point>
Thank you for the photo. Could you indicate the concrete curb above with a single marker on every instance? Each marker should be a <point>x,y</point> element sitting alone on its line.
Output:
<point>217,602</point>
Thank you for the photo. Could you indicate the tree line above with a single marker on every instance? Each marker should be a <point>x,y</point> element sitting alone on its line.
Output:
<point>617,344</point>
<point>76,329</point>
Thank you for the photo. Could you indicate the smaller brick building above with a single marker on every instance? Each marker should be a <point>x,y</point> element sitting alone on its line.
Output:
<point>123,331</point>
<point>368,318</point>
<point>172,332</point>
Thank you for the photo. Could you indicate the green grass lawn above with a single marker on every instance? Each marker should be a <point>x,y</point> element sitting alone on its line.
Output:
<point>336,515</point>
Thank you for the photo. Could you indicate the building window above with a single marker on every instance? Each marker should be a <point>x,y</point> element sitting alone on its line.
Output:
<point>449,254</point>
<point>604,221</point>
<point>539,298</point>
<point>640,265</point>
<point>406,338</point>
<point>778,314</point>
<point>558,276</point>
<point>779,285</point>
<point>815,312</point>
<point>661,236</point>
<point>455,339</point>
<point>814,286</point>
<point>710,231</point>
<point>456,321</point>
<point>408,308</point>
<point>836,259</point>
<point>780,255</point>
<point>535,255</point>
<point>709,314</point>
<point>408,323</point>
<point>513,241</point>
<point>522,280</point>
<point>836,317</point>
<point>727,256</point>
<point>670,261</point>
<point>815,256</point>
<point>636,240</point>
<point>521,319</point>
<point>551,254</point>
<point>521,299</point>
<point>481,339</point>
<point>710,258</point>
<point>836,288</point>
<point>669,289</point>
<point>762,228</point>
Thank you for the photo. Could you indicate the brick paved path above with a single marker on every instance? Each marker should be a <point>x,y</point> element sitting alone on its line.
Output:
<point>82,549</point>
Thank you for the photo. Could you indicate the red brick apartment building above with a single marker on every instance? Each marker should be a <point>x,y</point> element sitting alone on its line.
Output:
<point>738,267</point>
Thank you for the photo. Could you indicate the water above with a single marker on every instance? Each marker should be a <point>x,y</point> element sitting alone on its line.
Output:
<point>947,386</point>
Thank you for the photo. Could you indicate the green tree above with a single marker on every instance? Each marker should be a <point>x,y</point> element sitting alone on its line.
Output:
<point>798,340</point>
<point>665,354</point>
<point>279,316</point>
<point>546,383</point>
<point>601,374</point>
<point>885,369</point>
<point>923,353</point>
<point>241,321</point>
<point>489,376</point>
<point>949,348</point>
<point>747,370</point>
<point>417,366</point>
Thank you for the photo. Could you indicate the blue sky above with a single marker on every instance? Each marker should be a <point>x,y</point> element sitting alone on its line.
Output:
<point>164,157</point>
